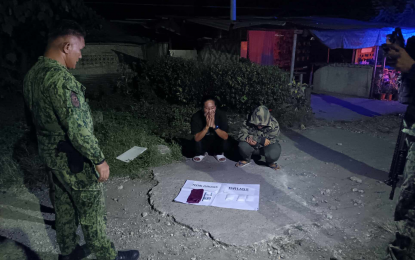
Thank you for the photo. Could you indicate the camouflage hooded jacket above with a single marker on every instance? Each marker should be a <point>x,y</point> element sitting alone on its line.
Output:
<point>270,131</point>
<point>59,112</point>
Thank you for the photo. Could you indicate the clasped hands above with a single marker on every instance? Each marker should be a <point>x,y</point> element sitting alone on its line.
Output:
<point>251,141</point>
<point>210,120</point>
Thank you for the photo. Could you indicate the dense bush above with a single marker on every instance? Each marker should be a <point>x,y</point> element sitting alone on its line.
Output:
<point>24,26</point>
<point>238,86</point>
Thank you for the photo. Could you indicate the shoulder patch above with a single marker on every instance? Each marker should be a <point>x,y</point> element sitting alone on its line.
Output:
<point>74,99</point>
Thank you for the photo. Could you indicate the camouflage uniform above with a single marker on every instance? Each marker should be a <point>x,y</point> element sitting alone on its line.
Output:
<point>60,113</point>
<point>403,248</point>
<point>270,131</point>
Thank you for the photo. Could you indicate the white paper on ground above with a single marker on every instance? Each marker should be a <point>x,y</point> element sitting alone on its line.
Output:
<point>223,195</point>
<point>131,154</point>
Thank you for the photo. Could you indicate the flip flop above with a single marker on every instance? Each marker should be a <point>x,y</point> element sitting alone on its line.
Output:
<point>201,157</point>
<point>274,166</point>
<point>218,157</point>
<point>241,164</point>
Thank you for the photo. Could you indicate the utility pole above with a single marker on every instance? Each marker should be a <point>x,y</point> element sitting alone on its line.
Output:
<point>233,10</point>
<point>293,58</point>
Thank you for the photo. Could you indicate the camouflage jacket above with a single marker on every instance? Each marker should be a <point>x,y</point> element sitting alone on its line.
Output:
<point>260,116</point>
<point>59,111</point>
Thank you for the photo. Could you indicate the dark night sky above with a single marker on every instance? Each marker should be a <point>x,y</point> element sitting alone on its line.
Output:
<point>142,9</point>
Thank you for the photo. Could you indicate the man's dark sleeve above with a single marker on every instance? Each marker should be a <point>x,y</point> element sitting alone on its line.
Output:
<point>411,73</point>
<point>196,124</point>
<point>223,122</point>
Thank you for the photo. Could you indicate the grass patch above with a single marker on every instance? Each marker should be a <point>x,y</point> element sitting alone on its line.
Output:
<point>131,125</point>
<point>19,160</point>
<point>127,121</point>
<point>10,172</point>
<point>122,130</point>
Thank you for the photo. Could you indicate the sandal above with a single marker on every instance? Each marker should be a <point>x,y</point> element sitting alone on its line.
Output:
<point>200,157</point>
<point>220,158</point>
<point>274,166</point>
<point>242,163</point>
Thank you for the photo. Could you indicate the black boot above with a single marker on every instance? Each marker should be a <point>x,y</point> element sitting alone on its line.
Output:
<point>80,252</point>
<point>128,255</point>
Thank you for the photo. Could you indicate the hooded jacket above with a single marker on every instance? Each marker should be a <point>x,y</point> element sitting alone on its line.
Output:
<point>270,131</point>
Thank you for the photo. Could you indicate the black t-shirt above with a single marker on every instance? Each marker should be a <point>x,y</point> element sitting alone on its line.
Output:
<point>199,122</point>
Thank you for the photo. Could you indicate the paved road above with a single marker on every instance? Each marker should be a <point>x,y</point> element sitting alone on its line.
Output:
<point>335,108</point>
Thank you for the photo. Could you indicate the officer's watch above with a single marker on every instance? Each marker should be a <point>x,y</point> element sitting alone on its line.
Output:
<point>216,127</point>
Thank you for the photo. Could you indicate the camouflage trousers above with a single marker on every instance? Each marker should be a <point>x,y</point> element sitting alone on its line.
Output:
<point>403,248</point>
<point>85,207</point>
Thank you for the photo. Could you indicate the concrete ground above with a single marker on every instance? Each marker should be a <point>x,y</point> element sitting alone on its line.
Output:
<point>327,202</point>
<point>310,209</point>
<point>314,190</point>
<point>335,107</point>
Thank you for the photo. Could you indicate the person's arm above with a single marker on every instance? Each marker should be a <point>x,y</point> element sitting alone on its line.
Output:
<point>411,73</point>
<point>404,62</point>
<point>222,132</point>
<point>75,120</point>
<point>199,136</point>
<point>243,133</point>
<point>197,124</point>
<point>272,135</point>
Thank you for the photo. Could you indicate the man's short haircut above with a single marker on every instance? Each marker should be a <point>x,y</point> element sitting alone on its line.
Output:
<point>206,98</point>
<point>64,28</point>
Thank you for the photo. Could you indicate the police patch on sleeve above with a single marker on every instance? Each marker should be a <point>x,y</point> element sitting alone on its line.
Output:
<point>74,99</point>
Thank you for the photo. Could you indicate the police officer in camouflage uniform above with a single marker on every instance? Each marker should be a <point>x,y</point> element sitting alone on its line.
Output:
<point>258,135</point>
<point>68,147</point>
<point>403,248</point>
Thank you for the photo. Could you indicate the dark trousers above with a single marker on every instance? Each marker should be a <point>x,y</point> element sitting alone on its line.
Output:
<point>212,144</point>
<point>271,152</point>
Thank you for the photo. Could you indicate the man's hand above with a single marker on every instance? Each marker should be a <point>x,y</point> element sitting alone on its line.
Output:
<point>103,170</point>
<point>250,141</point>
<point>212,120</point>
<point>403,61</point>
<point>267,142</point>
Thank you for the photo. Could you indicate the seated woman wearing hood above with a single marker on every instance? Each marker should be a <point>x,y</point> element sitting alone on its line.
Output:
<point>258,135</point>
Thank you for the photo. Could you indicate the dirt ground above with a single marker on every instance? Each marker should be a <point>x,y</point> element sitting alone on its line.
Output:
<point>26,217</point>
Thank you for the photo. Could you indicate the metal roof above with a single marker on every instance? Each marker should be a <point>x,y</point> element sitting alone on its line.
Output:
<point>312,22</point>
<point>226,24</point>
<point>328,23</point>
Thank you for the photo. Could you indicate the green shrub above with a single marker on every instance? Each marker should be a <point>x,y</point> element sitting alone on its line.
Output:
<point>27,19</point>
<point>168,121</point>
<point>238,86</point>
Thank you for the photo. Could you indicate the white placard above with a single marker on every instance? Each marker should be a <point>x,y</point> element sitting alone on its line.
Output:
<point>223,195</point>
<point>131,154</point>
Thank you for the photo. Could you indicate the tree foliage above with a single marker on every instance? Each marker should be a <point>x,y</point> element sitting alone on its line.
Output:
<point>238,86</point>
<point>24,26</point>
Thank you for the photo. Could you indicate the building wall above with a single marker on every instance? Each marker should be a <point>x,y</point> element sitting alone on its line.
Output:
<point>346,79</point>
<point>221,51</point>
<point>99,68</point>
<point>105,58</point>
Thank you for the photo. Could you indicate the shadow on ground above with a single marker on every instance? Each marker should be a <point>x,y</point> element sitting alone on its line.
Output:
<point>7,213</point>
<point>11,249</point>
<point>355,108</point>
<point>325,154</point>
